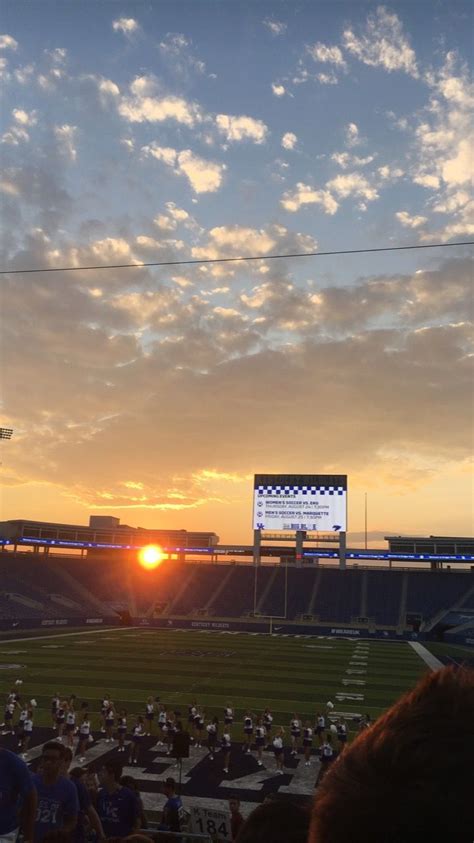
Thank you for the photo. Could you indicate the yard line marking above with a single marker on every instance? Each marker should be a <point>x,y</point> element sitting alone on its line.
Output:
<point>424,654</point>
<point>63,635</point>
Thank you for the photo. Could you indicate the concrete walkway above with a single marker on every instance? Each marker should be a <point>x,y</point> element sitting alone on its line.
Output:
<point>428,658</point>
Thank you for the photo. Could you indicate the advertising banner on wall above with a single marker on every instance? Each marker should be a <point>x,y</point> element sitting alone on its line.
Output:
<point>308,502</point>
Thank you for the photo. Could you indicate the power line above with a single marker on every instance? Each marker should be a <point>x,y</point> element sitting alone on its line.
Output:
<point>234,260</point>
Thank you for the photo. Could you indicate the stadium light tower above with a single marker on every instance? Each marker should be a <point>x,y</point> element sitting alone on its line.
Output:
<point>6,433</point>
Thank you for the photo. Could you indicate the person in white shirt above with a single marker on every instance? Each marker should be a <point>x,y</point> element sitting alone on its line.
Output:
<point>278,749</point>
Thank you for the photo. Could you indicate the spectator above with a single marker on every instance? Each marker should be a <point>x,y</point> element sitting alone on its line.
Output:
<point>173,808</point>
<point>236,818</point>
<point>16,783</point>
<point>130,782</point>
<point>409,777</point>
<point>58,805</point>
<point>117,806</point>
<point>88,817</point>
<point>277,821</point>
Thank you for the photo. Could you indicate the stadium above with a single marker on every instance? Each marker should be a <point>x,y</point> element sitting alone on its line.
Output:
<point>296,624</point>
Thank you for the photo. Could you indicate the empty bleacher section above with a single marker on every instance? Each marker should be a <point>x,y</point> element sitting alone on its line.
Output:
<point>35,586</point>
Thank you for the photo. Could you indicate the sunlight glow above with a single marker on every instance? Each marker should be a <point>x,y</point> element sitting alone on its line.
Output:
<point>150,556</point>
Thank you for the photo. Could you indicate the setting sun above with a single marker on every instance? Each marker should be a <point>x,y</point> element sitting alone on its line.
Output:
<point>150,556</point>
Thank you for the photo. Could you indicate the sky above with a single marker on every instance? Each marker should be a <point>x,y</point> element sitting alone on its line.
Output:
<point>137,132</point>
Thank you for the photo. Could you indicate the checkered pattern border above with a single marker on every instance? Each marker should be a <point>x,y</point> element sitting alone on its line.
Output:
<point>304,490</point>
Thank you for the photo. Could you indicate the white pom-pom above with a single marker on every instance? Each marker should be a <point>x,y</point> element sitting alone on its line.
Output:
<point>333,728</point>
<point>329,704</point>
<point>33,703</point>
<point>18,681</point>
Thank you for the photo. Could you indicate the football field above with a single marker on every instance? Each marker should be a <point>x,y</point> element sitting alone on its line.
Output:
<point>288,674</point>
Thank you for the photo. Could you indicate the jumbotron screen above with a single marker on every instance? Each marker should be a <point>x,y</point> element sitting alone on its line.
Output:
<point>309,502</point>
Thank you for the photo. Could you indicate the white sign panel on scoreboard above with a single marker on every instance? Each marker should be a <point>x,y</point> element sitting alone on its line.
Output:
<point>300,502</point>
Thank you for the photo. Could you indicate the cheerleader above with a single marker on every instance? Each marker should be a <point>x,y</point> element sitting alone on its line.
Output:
<point>307,743</point>
<point>21,723</point>
<point>278,750</point>
<point>162,723</point>
<point>70,726</point>
<point>248,731</point>
<point>105,705</point>
<point>84,736</point>
<point>55,700</point>
<point>61,718</point>
<point>199,726</point>
<point>170,727</point>
<point>327,756</point>
<point>268,722</point>
<point>320,727</point>
<point>341,734</point>
<point>212,729</point>
<point>228,717</point>
<point>260,740</point>
<point>109,723</point>
<point>295,730</point>
<point>27,732</point>
<point>121,729</point>
<point>226,747</point>
<point>192,711</point>
<point>137,734</point>
<point>149,715</point>
<point>8,718</point>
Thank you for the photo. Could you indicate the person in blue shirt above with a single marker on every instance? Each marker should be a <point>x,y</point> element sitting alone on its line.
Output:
<point>18,798</point>
<point>87,818</point>
<point>173,808</point>
<point>117,806</point>
<point>58,805</point>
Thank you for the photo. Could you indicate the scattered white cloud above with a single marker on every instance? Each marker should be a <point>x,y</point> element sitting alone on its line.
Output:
<point>278,90</point>
<point>322,53</point>
<point>241,128</point>
<point>66,137</point>
<point>409,221</point>
<point>58,55</point>
<point>382,43</point>
<point>327,78</point>
<point>204,176</point>
<point>289,140</point>
<point>427,180</point>
<point>353,184</point>
<point>345,160</point>
<point>351,132</point>
<point>177,49</point>
<point>304,194</point>
<point>128,26</point>
<point>9,188</point>
<point>388,173</point>
<point>24,118</point>
<point>108,88</point>
<point>275,27</point>
<point>141,108</point>
<point>7,42</point>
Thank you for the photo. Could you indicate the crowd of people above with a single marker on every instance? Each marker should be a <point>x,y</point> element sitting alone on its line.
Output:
<point>405,779</point>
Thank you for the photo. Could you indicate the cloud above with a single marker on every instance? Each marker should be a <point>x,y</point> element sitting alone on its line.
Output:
<point>409,221</point>
<point>278,90</point>
<point>351,132</point>
<point>176,49</point>
<point>275,27</point>
<point>66,137</point>
<point>327,78</point>
<point>7,42</point>
<point>322,53</point>
<point>289,140</point>
<point>304,194</point>
<point>382,44</point>
<point>141,108</point>
<point>390,173</point>
<point>345,160</point>
<point>353,184</point>
<point>241,128</point>
<point>204,176</point>
<point>128,26</point>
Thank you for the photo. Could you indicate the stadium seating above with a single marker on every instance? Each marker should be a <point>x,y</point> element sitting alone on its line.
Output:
<point>34,587</point>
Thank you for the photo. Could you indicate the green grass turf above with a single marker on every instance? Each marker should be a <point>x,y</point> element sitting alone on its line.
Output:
<point>251,671</point>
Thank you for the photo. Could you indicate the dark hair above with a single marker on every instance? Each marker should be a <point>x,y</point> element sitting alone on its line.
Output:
<point>279,821</point>
<point>406,779</point>
<point>114,767</point>
<point>55,746</point>
<point>77,772</point>
<point>170,782</point>
<point>129,781</point>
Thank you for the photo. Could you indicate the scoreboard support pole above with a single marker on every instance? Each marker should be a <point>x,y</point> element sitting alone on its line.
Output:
<point>342,550</point>
<point>257,540</point>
